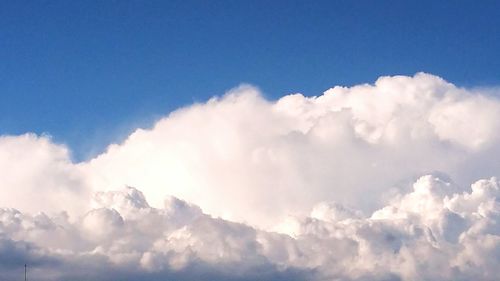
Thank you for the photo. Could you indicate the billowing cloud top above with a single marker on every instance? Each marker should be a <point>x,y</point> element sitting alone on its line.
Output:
<point>354,184</point>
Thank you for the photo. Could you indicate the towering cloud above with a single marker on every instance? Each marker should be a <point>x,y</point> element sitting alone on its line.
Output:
<point>245,158</point>
<point>355,184</point>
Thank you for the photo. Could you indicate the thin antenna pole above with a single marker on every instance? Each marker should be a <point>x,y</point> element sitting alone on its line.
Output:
<point>25,272</point>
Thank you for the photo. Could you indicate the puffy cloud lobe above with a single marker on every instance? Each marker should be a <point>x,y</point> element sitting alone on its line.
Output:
<point>145,242</point>
<point>36,175</point>
<point>430,233</point>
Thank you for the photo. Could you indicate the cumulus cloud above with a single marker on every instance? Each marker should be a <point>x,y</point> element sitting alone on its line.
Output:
<point>248,159</point>
<point>243,188</point>
<point>430,233</point>
<point>36,175</point>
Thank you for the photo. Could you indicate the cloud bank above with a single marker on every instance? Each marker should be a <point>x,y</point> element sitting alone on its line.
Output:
<point>355,184</point>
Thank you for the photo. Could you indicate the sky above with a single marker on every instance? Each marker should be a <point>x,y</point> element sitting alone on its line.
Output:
<point>89,72</point>
<point>225,140</point>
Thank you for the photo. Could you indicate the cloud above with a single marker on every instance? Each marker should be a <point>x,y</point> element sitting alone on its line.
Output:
<point>248,159</point>
<point>243,188</point>
<point>37,175</point>
<point>430,233</point>
<point>176,241</point>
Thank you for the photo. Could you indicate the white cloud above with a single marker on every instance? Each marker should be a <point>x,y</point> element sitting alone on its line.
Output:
<point>249,159</point>
<point>37,175</point>
<point>332,173</point>
<point>429,233</point>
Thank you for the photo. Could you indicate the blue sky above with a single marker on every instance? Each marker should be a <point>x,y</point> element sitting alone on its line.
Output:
<point>88,72</point>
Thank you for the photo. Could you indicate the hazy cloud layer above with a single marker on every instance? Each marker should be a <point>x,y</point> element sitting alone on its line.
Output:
<point>242,188</point>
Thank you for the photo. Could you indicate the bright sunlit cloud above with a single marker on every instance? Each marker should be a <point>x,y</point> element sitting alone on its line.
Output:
<point>390,181</point>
